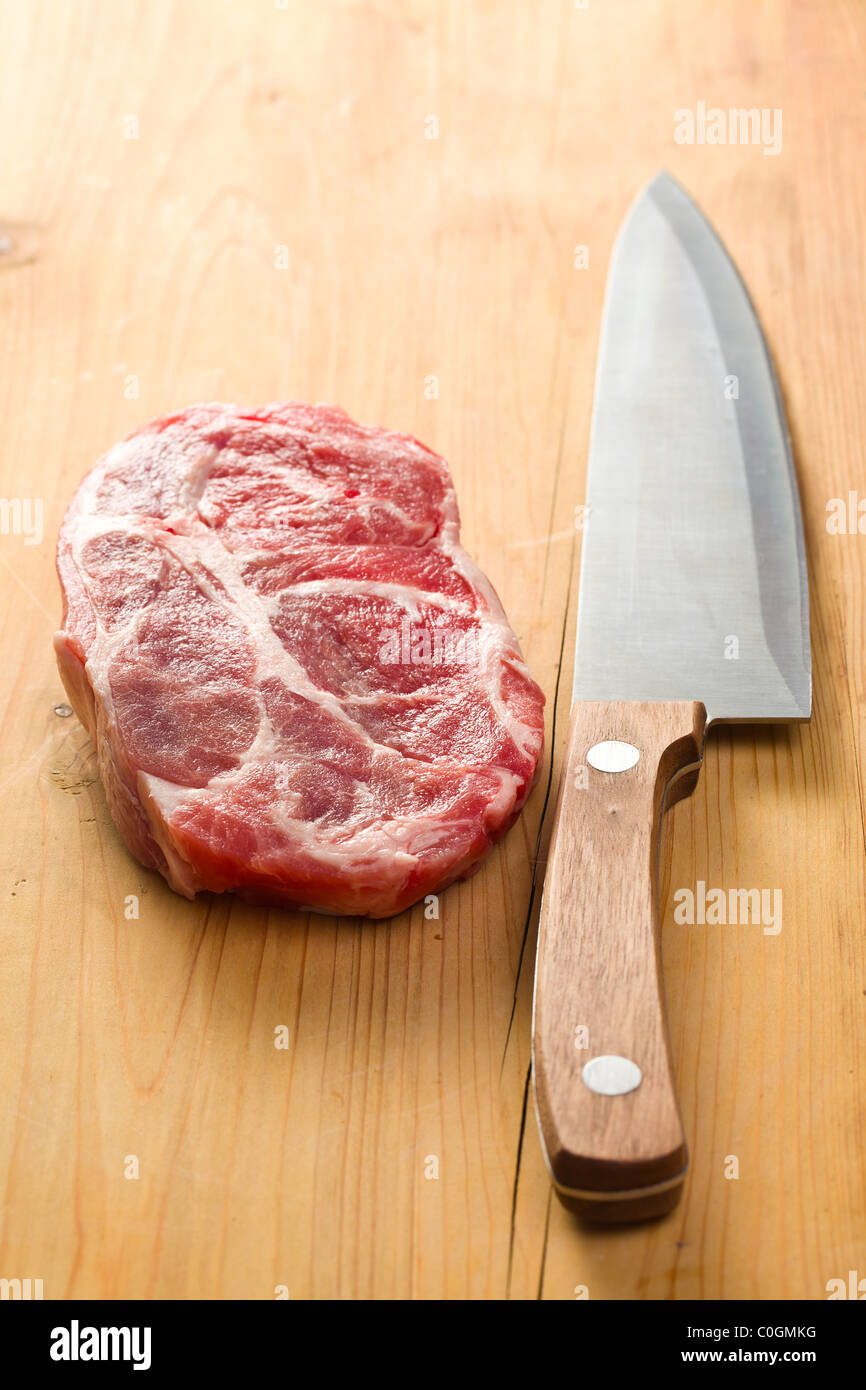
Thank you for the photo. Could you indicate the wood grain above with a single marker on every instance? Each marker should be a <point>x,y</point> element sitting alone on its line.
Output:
<point>144,273</point>
<point>598,990</point>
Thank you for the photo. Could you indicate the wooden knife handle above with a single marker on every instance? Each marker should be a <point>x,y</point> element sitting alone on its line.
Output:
<point>611,1128</point>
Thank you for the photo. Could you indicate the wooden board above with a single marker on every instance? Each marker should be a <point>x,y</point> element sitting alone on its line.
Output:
<point>157,158</point>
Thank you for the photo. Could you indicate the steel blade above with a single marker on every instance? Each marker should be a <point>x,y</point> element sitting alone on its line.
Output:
<point>693,578</point>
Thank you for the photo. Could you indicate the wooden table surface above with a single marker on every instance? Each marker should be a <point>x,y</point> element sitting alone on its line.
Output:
<point>343,201</point>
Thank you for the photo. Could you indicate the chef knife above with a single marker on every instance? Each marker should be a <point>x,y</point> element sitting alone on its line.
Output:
<point>692,609</point>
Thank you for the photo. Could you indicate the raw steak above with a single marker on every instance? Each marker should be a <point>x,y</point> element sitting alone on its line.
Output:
<point>299,685</point>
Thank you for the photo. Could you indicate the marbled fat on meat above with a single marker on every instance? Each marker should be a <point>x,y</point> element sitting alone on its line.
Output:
<point>300,687</point>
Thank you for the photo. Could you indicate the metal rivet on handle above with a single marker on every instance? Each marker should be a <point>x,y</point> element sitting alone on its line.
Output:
<point>612,756</point>
<point>611,1076</point>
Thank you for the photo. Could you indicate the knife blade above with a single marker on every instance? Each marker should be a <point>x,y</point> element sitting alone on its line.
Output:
<point>692,609</point>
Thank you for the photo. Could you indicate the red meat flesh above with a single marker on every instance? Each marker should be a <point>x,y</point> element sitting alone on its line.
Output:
<point>300,687</point>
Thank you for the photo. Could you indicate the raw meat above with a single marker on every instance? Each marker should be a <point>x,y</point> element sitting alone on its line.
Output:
<point>299,685</point>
